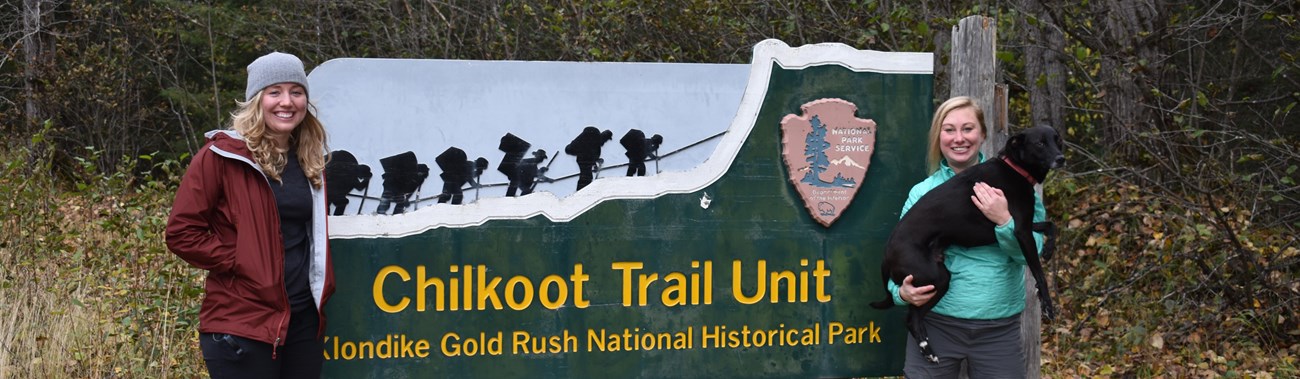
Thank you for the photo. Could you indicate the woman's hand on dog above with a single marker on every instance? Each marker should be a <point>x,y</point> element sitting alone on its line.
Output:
<point>992,202</point>
<point>917,296</point>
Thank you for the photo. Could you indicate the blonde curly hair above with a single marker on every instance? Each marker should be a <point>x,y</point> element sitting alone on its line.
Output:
<point>308,138</point>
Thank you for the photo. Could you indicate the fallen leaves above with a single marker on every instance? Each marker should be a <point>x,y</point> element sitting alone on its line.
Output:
<point>1160,285</point>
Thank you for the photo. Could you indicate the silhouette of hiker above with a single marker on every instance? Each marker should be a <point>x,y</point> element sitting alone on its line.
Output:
<point>514,147</point>
<point>586,147</point>
<point>344,176</point>
<point>402,177</point>
<point>456,171</point>
<point>639,149</point>
<point>473,169</point>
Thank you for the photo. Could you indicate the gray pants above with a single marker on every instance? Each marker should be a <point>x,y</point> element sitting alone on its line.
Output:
<point>991,348</point>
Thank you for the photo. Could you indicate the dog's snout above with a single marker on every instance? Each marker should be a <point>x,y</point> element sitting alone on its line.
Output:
<point>1059,161</point>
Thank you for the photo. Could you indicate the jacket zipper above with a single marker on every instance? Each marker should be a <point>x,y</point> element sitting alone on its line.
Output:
<point>275,347</point>
<point>288,314</point>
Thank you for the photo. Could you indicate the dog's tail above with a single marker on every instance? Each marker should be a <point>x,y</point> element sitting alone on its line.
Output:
<point>888,302</point>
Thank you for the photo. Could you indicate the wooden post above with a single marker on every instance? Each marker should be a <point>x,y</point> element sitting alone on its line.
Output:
<point>972,72</point>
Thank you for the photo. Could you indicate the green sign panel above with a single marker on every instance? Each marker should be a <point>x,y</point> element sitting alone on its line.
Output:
<point>720,271</point>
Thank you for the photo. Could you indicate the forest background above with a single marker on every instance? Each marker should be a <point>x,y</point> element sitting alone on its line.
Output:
<point>1179,210</point>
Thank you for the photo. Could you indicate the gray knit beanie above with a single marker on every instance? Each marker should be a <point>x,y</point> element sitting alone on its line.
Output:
<point>274,68</point>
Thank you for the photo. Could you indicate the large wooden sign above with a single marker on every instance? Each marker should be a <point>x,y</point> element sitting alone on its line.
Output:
<point>718,267</point>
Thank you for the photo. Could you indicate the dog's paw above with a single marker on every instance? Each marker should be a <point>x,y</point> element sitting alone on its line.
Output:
<point>1049,312</point>
<point>927,352</point>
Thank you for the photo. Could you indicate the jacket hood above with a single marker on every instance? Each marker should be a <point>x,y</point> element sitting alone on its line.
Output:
<point>229,141</point>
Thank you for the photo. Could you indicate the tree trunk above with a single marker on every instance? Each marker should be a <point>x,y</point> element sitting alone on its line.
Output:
<point>1126,27</point>
<point>1044,68</point>
<point>972,72</point>
<point>33,59</point>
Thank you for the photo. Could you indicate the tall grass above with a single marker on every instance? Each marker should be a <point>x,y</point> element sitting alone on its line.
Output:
<point>87,286</point>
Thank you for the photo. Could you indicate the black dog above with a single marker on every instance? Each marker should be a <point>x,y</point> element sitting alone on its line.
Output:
<point>946,216</point>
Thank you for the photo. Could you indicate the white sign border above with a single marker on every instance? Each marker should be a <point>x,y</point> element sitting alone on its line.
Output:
<point>766,53</point>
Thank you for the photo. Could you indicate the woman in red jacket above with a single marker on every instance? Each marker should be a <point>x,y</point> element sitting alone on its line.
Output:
<point>251,210</point>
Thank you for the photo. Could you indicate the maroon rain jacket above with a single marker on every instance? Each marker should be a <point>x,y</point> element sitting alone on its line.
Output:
<point>225,220</point>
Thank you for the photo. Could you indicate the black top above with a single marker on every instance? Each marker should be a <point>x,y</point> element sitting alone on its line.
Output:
<point>293,198</point>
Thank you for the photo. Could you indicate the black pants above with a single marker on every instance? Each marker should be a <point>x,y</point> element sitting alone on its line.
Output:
<point>513,188</point>
<point>586,173</point>
<point>399,201</point>
<point>340,206</point>
<point>635,168</point>
<point>230,356</point>
<point>526,183</point>
<point>451,191</point>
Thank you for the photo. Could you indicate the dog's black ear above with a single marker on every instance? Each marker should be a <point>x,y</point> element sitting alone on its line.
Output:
<point>1016,140</point>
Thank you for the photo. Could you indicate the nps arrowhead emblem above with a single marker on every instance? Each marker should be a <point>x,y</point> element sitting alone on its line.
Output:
<point>827,150</point>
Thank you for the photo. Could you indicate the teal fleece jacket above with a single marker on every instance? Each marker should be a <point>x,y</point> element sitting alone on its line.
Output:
<point>988,282</point>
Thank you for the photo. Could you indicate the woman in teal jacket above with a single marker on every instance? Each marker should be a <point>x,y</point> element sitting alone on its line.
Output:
<point>978,320</point>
